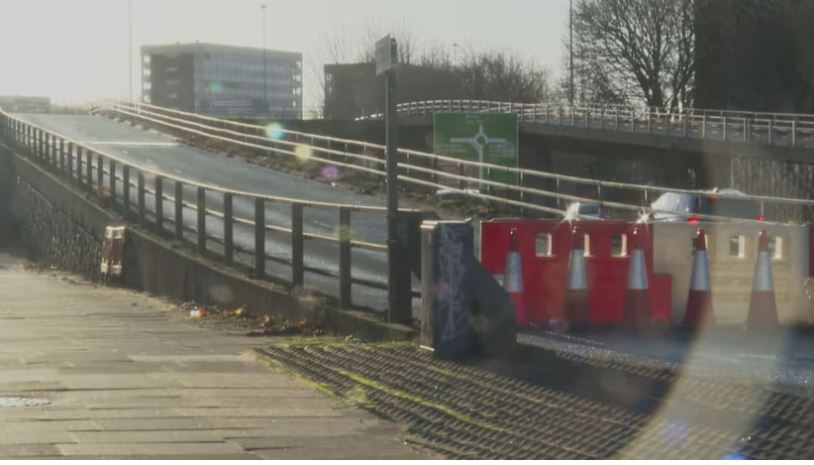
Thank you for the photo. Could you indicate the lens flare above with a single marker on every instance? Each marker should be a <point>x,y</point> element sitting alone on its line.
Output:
<point>330,172</point>
<point>676,431</point>
<point>274,131</point>
<point>303,153</point>
<point>215,87</point>
<point>345,233</point>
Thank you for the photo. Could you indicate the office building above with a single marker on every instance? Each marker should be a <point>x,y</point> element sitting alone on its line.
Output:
<point>223,81</point>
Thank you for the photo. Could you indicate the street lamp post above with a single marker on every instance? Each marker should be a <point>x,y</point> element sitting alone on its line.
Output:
<point>571,50</point>
<point>130,49</point>
<point>265,94</point>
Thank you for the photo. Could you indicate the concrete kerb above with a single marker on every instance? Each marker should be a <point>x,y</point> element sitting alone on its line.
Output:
<point>155,266</point>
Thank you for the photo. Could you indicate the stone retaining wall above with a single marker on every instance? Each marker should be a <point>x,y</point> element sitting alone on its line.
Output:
<point>53,237</point>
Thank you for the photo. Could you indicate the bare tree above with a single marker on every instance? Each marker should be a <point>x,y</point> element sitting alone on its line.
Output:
<point>502,76</point>
<point>635,51</point>
<point>492,75</point>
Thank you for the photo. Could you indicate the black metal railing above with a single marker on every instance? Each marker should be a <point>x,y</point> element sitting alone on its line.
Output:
<point>126,188</point>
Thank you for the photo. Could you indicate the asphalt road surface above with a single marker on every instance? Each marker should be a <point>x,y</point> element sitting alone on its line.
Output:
<point>162,153</point>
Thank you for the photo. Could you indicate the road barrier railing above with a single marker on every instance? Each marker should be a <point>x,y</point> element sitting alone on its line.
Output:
<point>784,129</point>
<point>424,169</point>
<point>143,195</point>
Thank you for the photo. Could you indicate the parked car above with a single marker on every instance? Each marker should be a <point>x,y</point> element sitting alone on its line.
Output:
<point>709,203</point>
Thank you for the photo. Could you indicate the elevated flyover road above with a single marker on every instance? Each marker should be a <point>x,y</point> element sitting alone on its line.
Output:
<point>162,153</point>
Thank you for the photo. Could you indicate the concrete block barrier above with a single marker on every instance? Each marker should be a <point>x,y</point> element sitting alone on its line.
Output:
<point>732,251</point>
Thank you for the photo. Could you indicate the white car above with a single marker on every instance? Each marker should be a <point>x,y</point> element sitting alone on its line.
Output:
<point>704,204</point>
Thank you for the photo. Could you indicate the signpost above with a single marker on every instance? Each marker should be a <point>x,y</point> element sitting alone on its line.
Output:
<point>481,137</point>
<point>399,288</point>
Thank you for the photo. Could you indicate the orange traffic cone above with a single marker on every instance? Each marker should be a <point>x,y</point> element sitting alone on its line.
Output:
<point>577,309</point>
<point>637,299</point>
<point>699,302</point>
<point>513,280</point>
<point>762,306</point>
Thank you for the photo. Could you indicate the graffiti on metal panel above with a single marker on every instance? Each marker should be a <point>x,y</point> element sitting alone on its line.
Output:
<point>451,270</point>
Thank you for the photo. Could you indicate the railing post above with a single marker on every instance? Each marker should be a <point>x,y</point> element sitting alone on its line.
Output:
<point>141,194</point>
<point>684,124</point>
<point>179,211</point>
<point>69,159</point>
<point>61,150</point>
<point>747,128</point>
<point>201,220</point>
<point>599,195</point>
<point>723,123</point>
<point>38,144</point>
<point>704,126</point>
<point>297,245</point>
<point>43,147</point>
<point>125,191</point>
<point>100,177</point>
<point>54,153</point>
<point>616,119</point>
<point>259,238</point>
<point>344,258</point>
<point>794,132</point>
<point>159,204</point>
<point>112,179</point>
<point>32,148</point>
<point>79,170</point>
<point>89,170</point>
<point>771,130</point>
<point>35,151</point>
<point>228,228</point>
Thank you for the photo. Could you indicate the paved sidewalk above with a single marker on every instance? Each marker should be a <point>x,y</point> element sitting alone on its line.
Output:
<point>125,377</point>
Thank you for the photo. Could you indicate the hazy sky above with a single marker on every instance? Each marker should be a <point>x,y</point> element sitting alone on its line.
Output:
<point>75,50</point>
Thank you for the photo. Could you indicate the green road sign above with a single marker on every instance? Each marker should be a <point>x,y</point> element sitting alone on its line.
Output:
<point>485,137</point>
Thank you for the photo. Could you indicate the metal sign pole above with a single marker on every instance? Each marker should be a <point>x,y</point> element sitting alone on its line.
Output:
<point>399,297</point>
<point>393,256</point>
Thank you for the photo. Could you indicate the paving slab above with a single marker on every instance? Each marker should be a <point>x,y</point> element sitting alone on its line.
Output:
<point>126,377</point>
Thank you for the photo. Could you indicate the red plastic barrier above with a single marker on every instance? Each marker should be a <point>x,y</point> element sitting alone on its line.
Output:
<point>545,274</point>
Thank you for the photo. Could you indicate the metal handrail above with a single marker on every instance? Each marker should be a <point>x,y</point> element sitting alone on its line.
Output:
<point>683,122</point>
<point>520,171</point>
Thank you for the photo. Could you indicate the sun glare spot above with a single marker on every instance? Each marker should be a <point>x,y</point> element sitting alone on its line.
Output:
<point>303,153</point>
<point>275,131</point>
